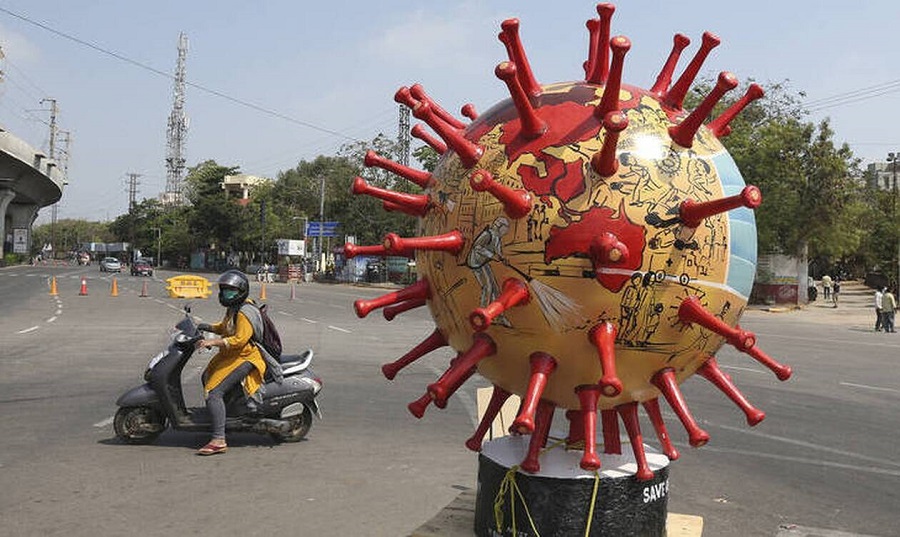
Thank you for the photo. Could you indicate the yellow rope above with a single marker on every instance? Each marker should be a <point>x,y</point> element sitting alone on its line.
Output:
<point>509,484</point>
<point>587,529</point>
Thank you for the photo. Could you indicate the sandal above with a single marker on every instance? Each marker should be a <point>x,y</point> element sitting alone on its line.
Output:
<point>212,449</point>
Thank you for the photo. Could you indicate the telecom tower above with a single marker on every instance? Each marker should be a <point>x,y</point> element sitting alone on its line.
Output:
<point>403,136</point>
<point>176,132</point>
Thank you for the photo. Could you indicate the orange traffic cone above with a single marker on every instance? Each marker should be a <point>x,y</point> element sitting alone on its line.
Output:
<point>144,290</point>
<point>262,292</point>
<point>114,291</point>
<point>83,291</point>
<point>53,286</point>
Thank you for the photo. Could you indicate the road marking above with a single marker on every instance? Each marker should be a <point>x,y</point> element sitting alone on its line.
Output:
<point>751,370</point>
<point>310,321</point>
<point>32,329</point>
<point>791,530</point>
<point>876,388</point>
<point>286,313</point>
<point>108,421</point>
<point>802,460</point>
<point>339,329</point>
<point>51,319</point>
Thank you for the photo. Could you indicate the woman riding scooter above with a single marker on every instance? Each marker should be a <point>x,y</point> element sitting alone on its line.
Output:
<point>238,361</point>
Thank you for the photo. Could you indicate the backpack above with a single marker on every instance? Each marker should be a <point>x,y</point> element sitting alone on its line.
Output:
<point>265,335</point>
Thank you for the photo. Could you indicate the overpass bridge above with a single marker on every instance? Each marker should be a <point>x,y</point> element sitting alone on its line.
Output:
<point>29,180</point>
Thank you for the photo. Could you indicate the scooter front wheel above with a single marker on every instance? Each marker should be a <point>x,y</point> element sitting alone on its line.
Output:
<point>299,427</point>
<point>139,424</point>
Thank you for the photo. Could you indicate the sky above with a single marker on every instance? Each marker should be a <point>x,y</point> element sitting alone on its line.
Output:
<point>274,82</point>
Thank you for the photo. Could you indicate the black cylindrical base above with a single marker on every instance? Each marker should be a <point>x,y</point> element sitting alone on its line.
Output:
<point>557,501</point>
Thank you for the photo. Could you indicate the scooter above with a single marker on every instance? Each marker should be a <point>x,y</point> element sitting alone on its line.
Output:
<point>285,412</point>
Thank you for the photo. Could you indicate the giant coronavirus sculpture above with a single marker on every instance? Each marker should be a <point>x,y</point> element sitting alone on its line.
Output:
<point>584,245</point>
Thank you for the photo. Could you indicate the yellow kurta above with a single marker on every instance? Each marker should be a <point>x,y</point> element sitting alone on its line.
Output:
<point>238,350</point>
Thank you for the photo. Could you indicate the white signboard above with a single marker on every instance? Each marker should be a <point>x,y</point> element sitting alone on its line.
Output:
<point>20,240</point>
<point>291,247</point>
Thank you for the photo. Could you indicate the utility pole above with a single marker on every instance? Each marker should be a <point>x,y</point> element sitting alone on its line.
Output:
<point>176,131</point>
<point>54,211</point>
<point>321,222</point>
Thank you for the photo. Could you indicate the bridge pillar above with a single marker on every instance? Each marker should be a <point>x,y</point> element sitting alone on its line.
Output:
<point>6,196</point>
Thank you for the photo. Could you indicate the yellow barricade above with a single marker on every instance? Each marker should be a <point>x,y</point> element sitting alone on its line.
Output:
<point>188,286</point>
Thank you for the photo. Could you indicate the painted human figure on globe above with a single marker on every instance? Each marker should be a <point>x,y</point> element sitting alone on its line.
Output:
<point>585,245</point>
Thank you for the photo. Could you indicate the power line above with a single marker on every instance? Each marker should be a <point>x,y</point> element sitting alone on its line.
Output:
<point>126,59</point>
<point>849,97</point>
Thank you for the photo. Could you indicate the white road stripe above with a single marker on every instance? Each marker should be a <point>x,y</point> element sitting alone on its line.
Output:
<point>32,329</point>
<point>864,386</point>
<point>339,329</point>
<point>751,370</point>
<point>310,321</point>
<point>51,319</point>
<point>108,421</point>
<point>792,530</point>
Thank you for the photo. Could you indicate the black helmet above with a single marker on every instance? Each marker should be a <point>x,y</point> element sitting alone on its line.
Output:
<point>234,288</point>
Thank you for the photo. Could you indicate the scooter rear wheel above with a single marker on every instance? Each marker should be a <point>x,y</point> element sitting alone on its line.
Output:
<point>139,424</point>
<point>300,426</point>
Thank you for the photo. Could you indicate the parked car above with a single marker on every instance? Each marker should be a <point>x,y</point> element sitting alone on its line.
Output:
<point>142,267</point>
<point>110,264</point>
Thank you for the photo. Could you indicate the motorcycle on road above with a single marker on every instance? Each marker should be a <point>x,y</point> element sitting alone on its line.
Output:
<point>285,413</point>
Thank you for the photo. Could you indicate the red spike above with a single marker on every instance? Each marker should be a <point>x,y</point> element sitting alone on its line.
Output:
<point>414,204</point>
<point>693,213</point>
<point>457,383</point>
<point>419,289</point>
<point>539,438</point>
<point>417,407</point>
<point>665,75</point>
<point>392,311</point>
<point>514,293</point>
<point>665,381</point>
<point>603,336</point>
<point>509,36</point>
<point>588,395</point>
<point>433,342</point>
<point>720,126</point>
<point>675,96</point>
<point>418,93</point>
<point>403,96</point>
<point>610,100</point>
<point>498,398</point>
<point>419,177</point>
<point>782,372</point>
<point>652,409</point>
<point>604,162</point>
<point>576,427</point>
<point>593,27</point>
<point>542,365</point>
<point>482,347</point>
<point>600,64</point>
<point>451,242</point>
<point>683,133</point>
<point>612,445</point>
<point>711,372</point>
<point>353,250</point>
<point>468,152</point>
<point>419,132</point>
<point>607,250</point>
<point>629,414</point>
<point>397,208</point>
<point>469,111</point>
<point>517,202</point>
<point>532,125</point>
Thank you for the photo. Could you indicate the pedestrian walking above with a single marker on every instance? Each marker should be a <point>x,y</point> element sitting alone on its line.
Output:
<point>826,286</point>
<point>835,290</point>
<point>879,315</point>
<point>888,307</point>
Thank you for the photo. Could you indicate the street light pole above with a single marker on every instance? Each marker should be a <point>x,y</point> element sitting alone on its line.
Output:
<point>892,158</point>
<point>319,262</point>
<point>158,245</point>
